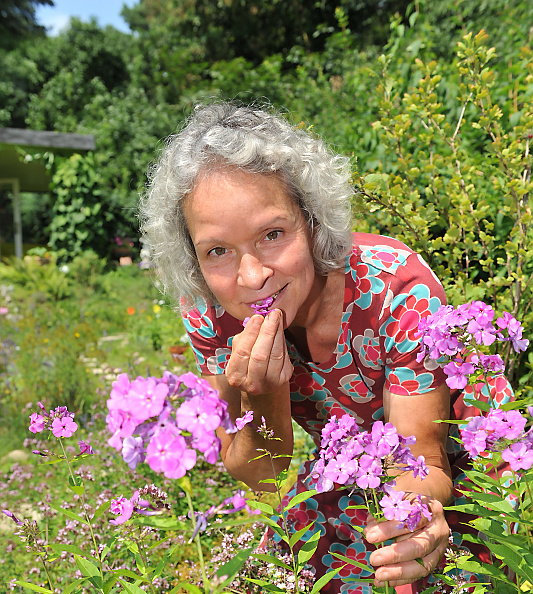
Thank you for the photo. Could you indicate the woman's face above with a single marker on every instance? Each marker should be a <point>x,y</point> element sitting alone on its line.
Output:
<point>252,242</point>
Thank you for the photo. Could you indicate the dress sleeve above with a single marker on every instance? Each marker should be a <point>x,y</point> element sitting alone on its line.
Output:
<point>210,332</point>
<point>413,293</point>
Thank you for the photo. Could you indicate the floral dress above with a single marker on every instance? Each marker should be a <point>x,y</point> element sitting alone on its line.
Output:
<point>388,290</point>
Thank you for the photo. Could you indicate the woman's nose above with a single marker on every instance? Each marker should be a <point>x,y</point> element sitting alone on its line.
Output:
<point>252,272</point>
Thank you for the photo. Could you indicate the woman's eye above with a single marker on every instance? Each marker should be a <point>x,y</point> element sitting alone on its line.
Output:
<point>217,251</point>
<point>273,235</point>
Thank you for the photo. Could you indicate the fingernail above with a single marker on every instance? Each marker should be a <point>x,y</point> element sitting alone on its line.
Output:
<point>377,560</point>
<point>371,536</point>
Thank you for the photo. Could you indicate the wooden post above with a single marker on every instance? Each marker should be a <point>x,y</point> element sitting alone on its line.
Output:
<point>17,220</point>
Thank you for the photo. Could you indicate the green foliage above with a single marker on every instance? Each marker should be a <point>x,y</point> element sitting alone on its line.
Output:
<point>81,221</point>
<point>38,274</point>
<point>17,21</point>
<point>456,181</point>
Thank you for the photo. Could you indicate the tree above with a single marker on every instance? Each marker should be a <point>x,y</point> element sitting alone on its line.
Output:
<point>17,21</point>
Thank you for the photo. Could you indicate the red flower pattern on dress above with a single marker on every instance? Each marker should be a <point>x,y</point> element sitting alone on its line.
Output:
<point>407,318</point>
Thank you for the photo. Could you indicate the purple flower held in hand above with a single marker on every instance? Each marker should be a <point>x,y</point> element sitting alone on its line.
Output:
<point>64,427</point>
<point>394,506</point>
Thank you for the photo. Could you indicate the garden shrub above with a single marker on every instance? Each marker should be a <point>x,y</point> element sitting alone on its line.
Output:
<point>456,180</point>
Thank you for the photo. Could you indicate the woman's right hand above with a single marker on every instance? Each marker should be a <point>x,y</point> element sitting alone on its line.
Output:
<point>259,362</point>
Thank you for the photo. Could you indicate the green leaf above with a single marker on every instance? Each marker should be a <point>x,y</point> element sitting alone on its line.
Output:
<point>480,404</point>
<point>266,585</point>
<point>185,484</point>
<point>297,535</point>
<point>185,586</point>
<point>90,571</point>
<point>110,582</point>
<point>102,509</point>
<point>308,549</point>
<point>353,562</point>
<point>68,513</point>
<point>516,560</point>
<point>297,499</point>
<point>33,587</point>
<point>230,569</point>
<point>130,574</point>
<point>131,588</point>
<point>73,585</point>
<point>271,559</point>
<point>325,579</point>
<point>264,507</point>
<point>58,548</point>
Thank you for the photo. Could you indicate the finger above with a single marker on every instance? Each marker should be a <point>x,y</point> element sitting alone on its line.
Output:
<point>241,349</point>
<point>409,571</point>
<point>261,360</point>
<point>280,364</point>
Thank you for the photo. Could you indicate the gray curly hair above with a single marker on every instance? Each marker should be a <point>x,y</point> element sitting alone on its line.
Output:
<point>256,140</point>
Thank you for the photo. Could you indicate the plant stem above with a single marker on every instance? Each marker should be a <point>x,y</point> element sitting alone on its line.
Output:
<point>198,543</point>
<point>145,560</point>
<point>51,584</point>
<point>87,519</point>
<point>285,527</point>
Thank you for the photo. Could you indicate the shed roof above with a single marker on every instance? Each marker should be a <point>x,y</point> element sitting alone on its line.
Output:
<point>32,175</point>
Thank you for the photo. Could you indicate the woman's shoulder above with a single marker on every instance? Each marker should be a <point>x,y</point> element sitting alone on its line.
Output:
<point>379,251</point>
<point>208,320</point>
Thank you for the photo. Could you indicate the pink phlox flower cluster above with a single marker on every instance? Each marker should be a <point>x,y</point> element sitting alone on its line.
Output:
<point>262,308</point>
<point>355,458</point>
<point>500,431</point>
<point>125,508</point>
<point>447,334</point>
<point>166,421</point>
<point>236,503</point>
<point>59,421</point>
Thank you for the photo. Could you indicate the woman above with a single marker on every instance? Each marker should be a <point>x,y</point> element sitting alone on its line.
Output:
<point>242,208</point>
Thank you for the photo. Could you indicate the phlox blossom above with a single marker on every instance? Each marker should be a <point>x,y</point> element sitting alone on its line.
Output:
<point>36,423</point>
<point>168,453</point>
<point>64,426</point>
<point>147,397</point>
<point>244,420</point>
<point>395,506</point>
<point>519,456</point>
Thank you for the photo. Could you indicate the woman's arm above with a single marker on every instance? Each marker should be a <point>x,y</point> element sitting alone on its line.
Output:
<point>414,415</point>
<point>257,379</point>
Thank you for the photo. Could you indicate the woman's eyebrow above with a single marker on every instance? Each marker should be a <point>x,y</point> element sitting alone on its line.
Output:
<point>267,224</point>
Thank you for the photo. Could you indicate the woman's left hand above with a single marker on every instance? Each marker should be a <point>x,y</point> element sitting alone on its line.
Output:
<point>396,563</point>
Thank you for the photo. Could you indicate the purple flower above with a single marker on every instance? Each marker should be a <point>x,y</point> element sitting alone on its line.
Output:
<point>147,397</point>
<point>36,423</point>
<point>85,448</point>
<point>394,506</point>
<point>13,517</point>
<point>519,456</point>
<point>168,453</point>
<point>64,427</point>
<point>457,374</point>
<point>198,415</point>
<point>247,418</point>
<point>133,451</point>
<point>123,508</point>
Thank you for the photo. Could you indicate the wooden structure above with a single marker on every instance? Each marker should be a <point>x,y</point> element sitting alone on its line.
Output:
<point>31,175</point>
